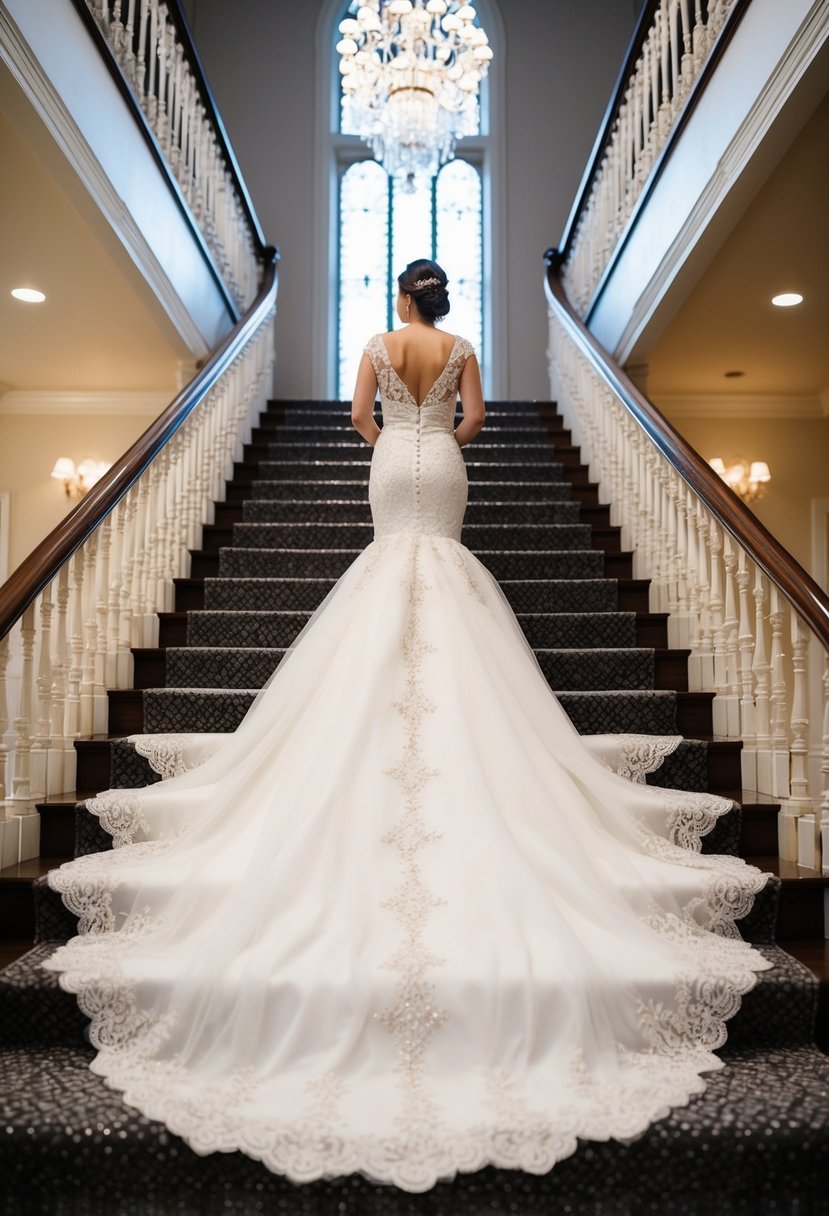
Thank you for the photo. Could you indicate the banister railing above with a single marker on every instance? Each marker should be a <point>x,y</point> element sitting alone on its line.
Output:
<point>70,613</point>
<point>40,566</point>
<point>756,623</point>
<point>91,590</point>
<point>671,55</point>
<point>148,46</point>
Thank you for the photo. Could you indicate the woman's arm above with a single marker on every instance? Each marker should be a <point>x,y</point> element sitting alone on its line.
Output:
<point>472,401</point>
<point>362,403</point>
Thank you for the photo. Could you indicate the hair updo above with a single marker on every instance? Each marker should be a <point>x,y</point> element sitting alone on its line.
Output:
<point>433,299</point>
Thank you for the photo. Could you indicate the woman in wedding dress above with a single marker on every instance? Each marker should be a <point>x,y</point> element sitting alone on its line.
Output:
<point>402,921</point>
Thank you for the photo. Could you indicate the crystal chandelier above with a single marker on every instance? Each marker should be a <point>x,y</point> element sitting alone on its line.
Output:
<point>411,70</point>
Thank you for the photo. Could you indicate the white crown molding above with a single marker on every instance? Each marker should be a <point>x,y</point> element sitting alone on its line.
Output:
<point>98,402</point>
<point>722,405</point>
<point>792,66</point>
<point>16,53</point>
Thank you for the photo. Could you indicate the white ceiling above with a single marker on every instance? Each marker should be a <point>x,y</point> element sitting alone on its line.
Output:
<point>727,323</point>
<point>98,328</point>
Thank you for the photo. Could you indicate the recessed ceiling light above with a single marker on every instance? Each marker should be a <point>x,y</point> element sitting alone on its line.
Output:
<point>29,294</point>
<point>733,375</point>
<point>787,299</point>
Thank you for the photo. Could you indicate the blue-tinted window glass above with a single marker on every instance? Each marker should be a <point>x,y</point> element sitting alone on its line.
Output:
<point>382,228</point>
<point>363,265</point>
<point>411,233</point>
<point>459,247</point>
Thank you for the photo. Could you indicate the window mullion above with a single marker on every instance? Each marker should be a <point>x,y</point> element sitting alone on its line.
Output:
<point>390,256</point>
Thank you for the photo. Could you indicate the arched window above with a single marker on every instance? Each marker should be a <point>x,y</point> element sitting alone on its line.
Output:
<point>369,229</point>
<point>381,228</point>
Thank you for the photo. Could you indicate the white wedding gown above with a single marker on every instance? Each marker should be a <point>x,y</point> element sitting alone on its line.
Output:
<point>402,922</point>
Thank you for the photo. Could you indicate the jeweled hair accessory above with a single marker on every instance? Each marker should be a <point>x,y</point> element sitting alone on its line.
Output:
<point>426,283</point>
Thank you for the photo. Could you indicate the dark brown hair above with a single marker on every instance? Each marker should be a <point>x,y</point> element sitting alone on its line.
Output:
<point>433,300</point>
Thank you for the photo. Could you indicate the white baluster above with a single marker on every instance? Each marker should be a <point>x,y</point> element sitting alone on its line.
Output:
<point>4,719</point>
<point>61,772</point>
<point>21,782</point>
<point>714,543</point>
<point>129,43</point>
<point>90,632</point>
<point>824,764</point>
<point>151,104</point>
<point>129,592</point>
<point>141,57</point>
<point>727,705</point>
<point>800,805</point>
<point>100,704</point>
<point>762,687</point>
<point>687,65</point>
<point>745,642</point>
<point>43,738</point>
<point>116,578</point>
<point>74,721</point>
<point>778,699</point>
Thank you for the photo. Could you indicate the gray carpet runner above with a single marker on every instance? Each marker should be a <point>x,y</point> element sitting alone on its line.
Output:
<point>753,1143</point>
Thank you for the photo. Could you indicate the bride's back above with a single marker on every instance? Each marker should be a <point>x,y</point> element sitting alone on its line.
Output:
<point>418,355</point>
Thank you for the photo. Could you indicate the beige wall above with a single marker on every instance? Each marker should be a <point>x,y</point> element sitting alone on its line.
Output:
<point>797,453</point>
<point>29,447</point>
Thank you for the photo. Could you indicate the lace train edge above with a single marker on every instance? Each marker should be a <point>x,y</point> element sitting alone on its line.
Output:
<point>120,814</point>
<point>692,816</point>
<point>716,970</point>
<point>167,754</point>
<point>314,1147</point>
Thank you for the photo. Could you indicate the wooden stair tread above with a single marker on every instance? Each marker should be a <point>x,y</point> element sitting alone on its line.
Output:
<point>25,872</point>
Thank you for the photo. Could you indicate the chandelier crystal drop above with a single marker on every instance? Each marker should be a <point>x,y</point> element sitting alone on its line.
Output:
<point>411,71</point>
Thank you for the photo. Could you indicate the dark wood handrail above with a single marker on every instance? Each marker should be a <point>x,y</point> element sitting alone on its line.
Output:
<point>798,587</point>
<point>698,87</point>
<point>41,566</point>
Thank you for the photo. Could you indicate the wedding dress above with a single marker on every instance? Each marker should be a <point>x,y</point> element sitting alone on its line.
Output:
<point>401,921</point>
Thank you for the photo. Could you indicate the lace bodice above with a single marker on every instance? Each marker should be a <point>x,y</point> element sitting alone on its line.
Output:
<point>418,477</point>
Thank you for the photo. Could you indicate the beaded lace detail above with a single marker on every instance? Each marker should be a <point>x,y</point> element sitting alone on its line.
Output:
<point>120,813</point>
<point>166,754</point>
<point>415,1015</point>
<point>87,884</point>
<point>643,754</point>
<point>692,816</point>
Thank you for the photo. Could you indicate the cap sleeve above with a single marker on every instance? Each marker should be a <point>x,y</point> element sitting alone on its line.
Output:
<point>467,348</point>
<point>371,349</point>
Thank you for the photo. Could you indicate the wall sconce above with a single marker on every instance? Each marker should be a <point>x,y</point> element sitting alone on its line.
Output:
<point>78,480</point>
<point>746,478</point>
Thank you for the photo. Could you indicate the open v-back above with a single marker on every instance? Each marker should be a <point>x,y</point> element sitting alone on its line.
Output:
<point>415,402</point>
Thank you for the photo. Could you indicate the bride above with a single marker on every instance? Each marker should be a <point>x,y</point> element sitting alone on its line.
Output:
<point>402,921</point>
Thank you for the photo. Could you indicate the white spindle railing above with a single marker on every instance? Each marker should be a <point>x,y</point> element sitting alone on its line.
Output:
<point>143,39</point>
<point>73,641</point>
<point>673,52</point>
<point>748,644</point>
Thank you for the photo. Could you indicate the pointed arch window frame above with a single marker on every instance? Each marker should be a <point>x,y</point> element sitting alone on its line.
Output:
<point>334,151</point>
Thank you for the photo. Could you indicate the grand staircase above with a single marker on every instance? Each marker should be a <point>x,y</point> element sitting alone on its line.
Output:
<point>295,516</point>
